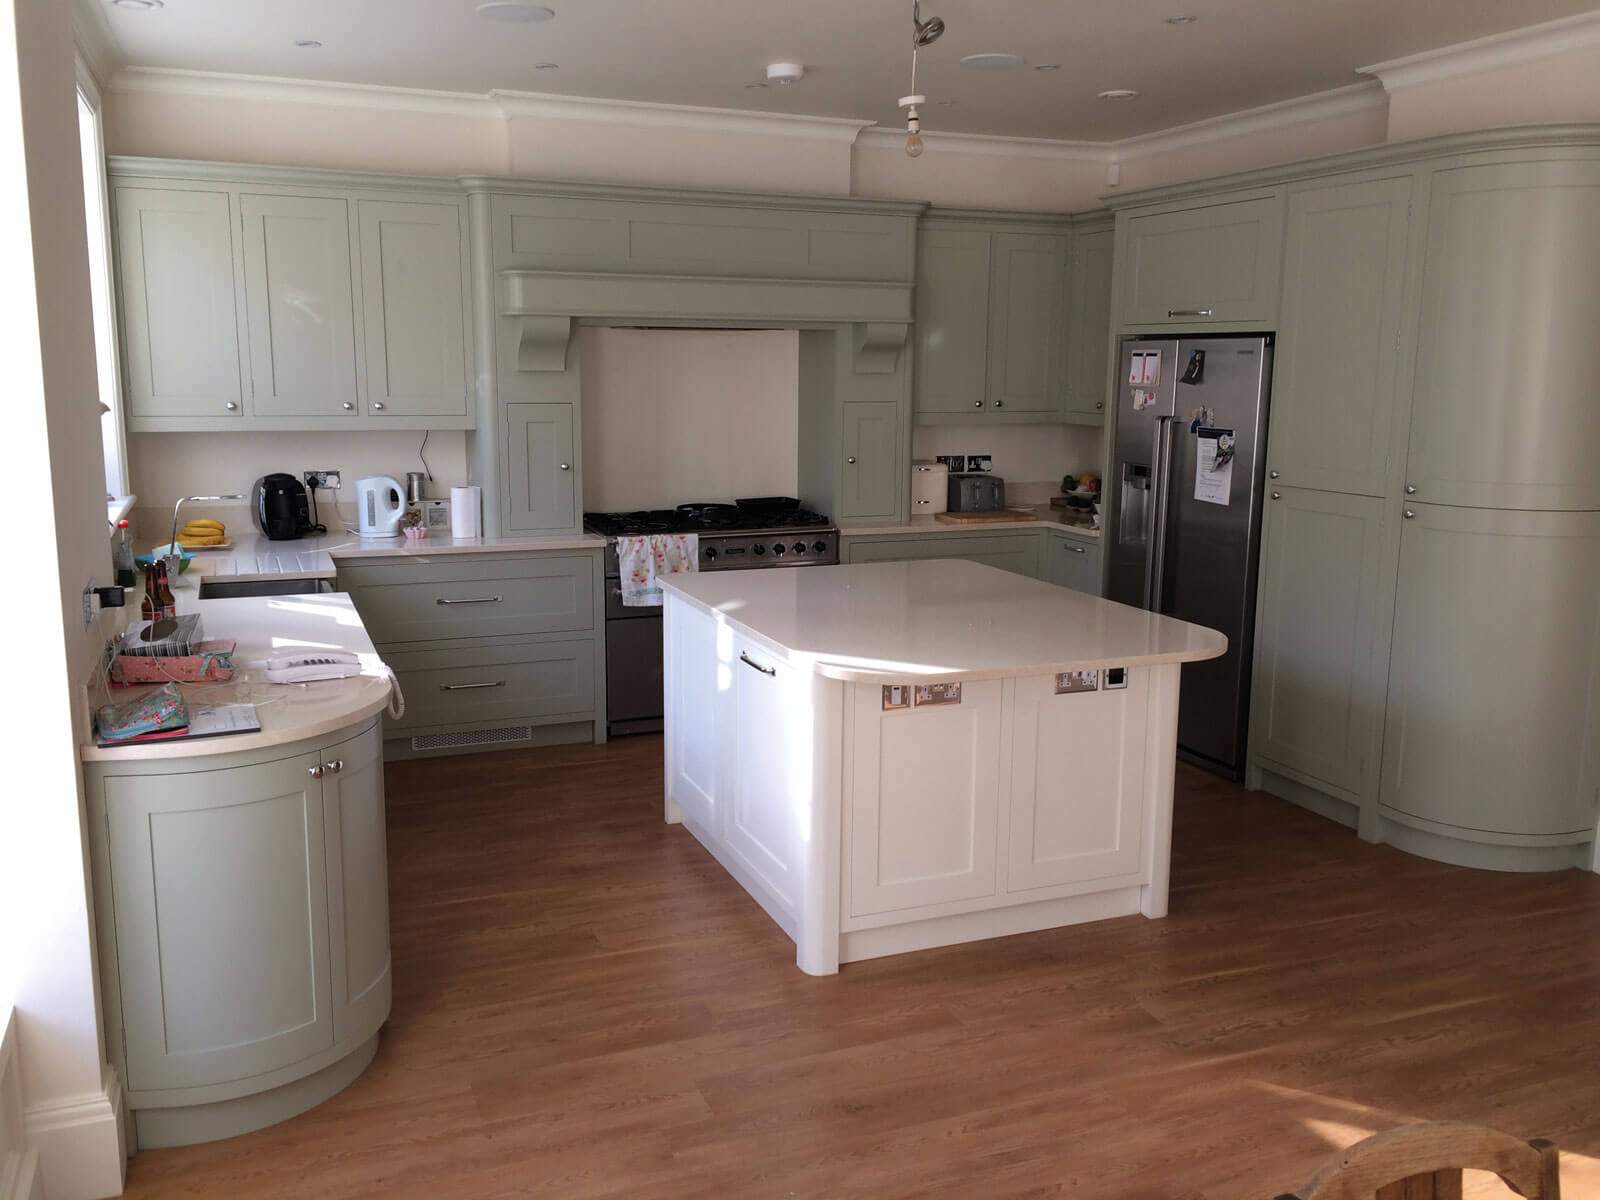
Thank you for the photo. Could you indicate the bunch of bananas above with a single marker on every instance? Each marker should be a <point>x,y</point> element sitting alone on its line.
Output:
<point>202,532</point>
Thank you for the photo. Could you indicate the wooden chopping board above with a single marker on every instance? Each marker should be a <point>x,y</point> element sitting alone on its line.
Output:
<point>985,518</point>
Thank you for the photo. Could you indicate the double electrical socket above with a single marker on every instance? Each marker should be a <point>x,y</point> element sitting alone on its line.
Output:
<point>323,479</point>
<point>967,462</point>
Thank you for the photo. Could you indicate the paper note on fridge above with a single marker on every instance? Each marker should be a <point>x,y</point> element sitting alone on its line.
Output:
<point>1213,465</point>
<point>1144,368</point>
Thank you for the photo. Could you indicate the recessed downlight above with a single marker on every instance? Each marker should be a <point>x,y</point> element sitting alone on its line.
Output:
<point>1048,67</point>
<point>547,66</point>
<point>992,62</point>
<point>1118,94</point>
<point>1182,19</point>
<point>139,5</point>
<point>307,43</point>
<point>755,87</point>
<point>521,12</point>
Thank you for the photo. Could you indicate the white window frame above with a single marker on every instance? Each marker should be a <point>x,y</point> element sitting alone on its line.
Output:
<point>102,282</point>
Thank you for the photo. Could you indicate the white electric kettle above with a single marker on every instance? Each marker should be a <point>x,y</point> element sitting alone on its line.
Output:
<point>380,503</point>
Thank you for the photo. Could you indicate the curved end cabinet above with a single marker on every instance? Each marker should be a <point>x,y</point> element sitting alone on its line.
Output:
<point>242,902</point>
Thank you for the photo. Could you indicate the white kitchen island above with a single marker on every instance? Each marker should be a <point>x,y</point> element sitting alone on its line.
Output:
<point>893,756</point>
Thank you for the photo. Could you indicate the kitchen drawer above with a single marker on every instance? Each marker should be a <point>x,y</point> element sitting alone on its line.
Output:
<point>480,684</point>
<point>421,601</point>
<point>1016,552</point>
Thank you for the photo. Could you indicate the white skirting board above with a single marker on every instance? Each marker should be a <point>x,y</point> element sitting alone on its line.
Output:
<point>19,1164</point>
<point>81,1143</point>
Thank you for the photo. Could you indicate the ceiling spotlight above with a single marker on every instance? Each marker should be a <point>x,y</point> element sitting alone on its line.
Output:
<point>1185,19</point>
<point>139,5</point>
<point>1118,94</point>
<point>520,11</point>
<point>945,103</point>
<point>1048,67</point>
<point>307,43</point>
<point>784,73</point>
<point>992,62</point>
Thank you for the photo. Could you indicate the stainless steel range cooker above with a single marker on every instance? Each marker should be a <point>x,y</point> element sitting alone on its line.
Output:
<point>746,535</point>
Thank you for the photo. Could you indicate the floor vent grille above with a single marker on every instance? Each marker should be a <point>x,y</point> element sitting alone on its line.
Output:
<point>471,737</point>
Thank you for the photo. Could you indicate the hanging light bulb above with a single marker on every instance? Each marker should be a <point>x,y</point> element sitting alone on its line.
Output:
<point>923,33</point>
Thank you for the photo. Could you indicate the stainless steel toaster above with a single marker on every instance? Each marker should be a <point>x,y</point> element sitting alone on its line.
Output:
<point>976,491</point>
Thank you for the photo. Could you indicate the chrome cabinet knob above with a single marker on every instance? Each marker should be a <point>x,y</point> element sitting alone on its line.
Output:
<point>377,406</point>
<point>977,404</point>
<point>349,407</point>
<point>1411,489</point>
<point>1272,474</point>
<point>1277,495</point>
<point>851,461</point>
<point>1410,513</point>
<point>1099,403</point>
<point>231,406</point>
<point>335,766</point>
<point>566,466</point>
<point>999,403</point>
<point>314,772</point>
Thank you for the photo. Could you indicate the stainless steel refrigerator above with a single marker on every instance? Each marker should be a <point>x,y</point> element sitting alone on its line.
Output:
<point>1186,494</point>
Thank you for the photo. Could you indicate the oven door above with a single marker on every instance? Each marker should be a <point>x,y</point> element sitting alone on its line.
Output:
<point>634,693</point>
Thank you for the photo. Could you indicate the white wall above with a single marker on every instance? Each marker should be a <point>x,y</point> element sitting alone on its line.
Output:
<point>671,416</point>
<point>53,455</point>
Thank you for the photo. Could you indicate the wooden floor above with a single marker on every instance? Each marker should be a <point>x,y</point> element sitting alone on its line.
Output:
<point>586,1006</point>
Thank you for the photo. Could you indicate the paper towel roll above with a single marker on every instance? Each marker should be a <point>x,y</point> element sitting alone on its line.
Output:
<point>466,511</point>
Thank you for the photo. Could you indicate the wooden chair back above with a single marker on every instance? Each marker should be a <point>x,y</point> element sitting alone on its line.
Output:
<point>1424,1162</point>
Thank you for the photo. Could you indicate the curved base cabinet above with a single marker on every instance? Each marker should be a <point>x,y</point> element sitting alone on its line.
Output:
<point>1475,848</point>
<point>243,913</point>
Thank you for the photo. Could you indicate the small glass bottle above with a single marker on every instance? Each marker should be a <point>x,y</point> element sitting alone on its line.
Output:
<point>150,606</point>
<point>122,557</point>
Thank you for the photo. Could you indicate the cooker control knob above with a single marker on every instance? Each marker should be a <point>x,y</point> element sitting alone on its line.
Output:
<point>778,548</point>
<point>799,547</point>
<point>711,554</point>
<point>819,546</point>
<point>758,549</point>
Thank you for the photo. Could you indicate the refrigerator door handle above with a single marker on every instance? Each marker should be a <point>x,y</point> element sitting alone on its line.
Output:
<point>1155,553</point>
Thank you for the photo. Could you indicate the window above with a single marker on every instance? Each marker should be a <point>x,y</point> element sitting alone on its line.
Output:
<point>97,220</point>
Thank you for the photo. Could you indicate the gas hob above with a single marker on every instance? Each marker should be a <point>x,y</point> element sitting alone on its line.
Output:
<point>731,537</point>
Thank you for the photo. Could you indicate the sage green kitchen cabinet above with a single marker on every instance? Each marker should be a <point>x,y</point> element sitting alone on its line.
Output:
<point>1494,679</point>
<point>1338,405</point>
<point>413,287</point>
<point>301,307</point>
<point>1028,324</point>
<point>1321,632</point>
<point>1089,343</point>
<point>1209,262</point>
<point>541,467</point>
<point>177,274</point>
<point>356,850</point>
<point>952,330</point>
<point>1014,552</point>
<point>871,478</point>
<point>1071,562</point>
<point>1508,369</point>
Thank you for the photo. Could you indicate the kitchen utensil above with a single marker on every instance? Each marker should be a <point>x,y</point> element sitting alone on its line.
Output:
<point>416,486</point>
<point>380,503</point>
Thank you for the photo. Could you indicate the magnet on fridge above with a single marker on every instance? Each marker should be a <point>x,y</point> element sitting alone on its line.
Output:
<point>1142,399</point>
<point>1202,417</point>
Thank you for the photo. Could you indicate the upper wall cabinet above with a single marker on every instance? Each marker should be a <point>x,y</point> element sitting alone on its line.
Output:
<point>182,326</point>
<point>1089,343</point>
<point>262,298</point>
<point>992,322</point>
<point>1212,262</point>
<point>1337,405</point>
<point>1504,413</point>
<point>300,304</point>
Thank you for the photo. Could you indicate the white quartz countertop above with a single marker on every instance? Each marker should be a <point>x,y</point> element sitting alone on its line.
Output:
<point>943,619</point>
<point>289,712</point>
<point>1045,517</point>
<point>254,556</point>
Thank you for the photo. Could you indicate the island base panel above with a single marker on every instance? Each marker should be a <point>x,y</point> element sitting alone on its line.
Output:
<point>156,1128</point>
<point>885,940</point>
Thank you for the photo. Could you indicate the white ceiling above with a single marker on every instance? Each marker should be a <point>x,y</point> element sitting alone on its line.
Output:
<point>1240,54</point>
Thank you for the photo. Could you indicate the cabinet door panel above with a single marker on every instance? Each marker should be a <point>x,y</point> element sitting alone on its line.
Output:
<point>179,308</point>
<point>1027,323</point>
<point>412,303</point>
<point>1077,783</point>
<point>1494,681</point>
<point>1203,265</point>
<point>1508,363</point>
<point>540,475</point>
<point>763,800</point>
<point>952,320</point>
<point>924,803</point>
<point>697,675</point>
<point>194,884</point>
<point>1334,391</point>
<point>1317,691</point>
<point>1089,352</point>
<point>358,884</point>
<point>302,314</point>
<point>871,474</point>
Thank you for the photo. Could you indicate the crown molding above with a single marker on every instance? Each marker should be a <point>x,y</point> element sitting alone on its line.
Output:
<point>267,88</point>
<point>990,145</point>
<point>1485,54</point>
<point>1322,106</point>
<point>96,44</point>
<point>549,106</point>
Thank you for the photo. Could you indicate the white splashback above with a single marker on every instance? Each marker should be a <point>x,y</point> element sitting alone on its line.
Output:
<point>1021,453</point>
<point>675,415</point>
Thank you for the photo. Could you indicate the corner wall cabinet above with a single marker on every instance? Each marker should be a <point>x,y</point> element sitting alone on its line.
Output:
<point>1427,661</point>
<point>1089,342</point>
<point>242,903</point>
<point>268,298</point>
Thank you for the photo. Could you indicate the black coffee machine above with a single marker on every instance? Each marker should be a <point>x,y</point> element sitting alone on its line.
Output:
<point>279,508</point>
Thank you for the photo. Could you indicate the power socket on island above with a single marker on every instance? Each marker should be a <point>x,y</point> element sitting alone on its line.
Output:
<point>323,479</point>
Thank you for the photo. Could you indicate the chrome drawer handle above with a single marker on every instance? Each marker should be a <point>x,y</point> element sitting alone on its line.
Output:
<point>335,766</point>
<point>467,687</point>
<point>314,772</point>
<point>1410,514</point>
<point>750,662</point>
<point>1188,312</point>
<point>470,600</point>
<point>1075,549</point>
